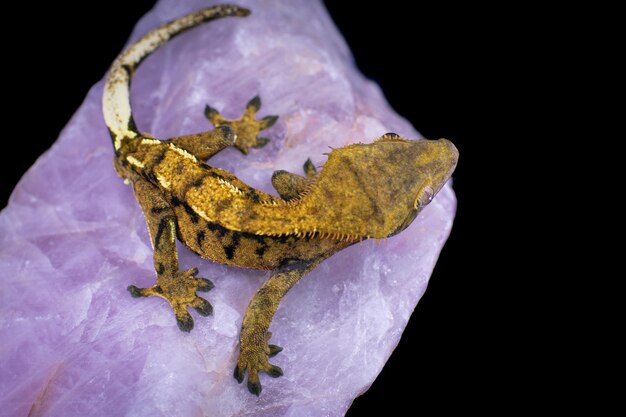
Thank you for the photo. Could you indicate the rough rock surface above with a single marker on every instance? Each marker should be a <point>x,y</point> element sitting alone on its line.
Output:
<point>74,343</point>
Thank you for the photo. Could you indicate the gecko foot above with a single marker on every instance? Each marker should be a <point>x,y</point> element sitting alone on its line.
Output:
<point>247,127</point>
<point>254,358</point>
<point>180,291</point>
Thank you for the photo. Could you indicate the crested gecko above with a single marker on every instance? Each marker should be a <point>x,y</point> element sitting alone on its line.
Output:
<point>363,191</point>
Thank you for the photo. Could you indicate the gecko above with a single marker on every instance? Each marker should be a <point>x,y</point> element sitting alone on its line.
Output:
<point>363,191</point>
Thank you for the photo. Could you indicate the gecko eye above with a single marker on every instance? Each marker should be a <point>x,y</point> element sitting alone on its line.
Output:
<point>424,197</point>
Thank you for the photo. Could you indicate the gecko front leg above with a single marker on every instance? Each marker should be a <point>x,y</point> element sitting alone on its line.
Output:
<point>254,350</point>
<point>206,144</point>
<point>177,287</point>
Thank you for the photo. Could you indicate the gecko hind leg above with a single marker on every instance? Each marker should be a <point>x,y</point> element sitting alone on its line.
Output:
<point>177,287</point>
<point>254,350</point>
<point>247,127</point>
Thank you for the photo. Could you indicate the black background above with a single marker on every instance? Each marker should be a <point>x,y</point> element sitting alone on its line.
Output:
<point>453,354</point>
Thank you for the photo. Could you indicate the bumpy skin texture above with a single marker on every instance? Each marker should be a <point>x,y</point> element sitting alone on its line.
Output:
<point>363,191</point>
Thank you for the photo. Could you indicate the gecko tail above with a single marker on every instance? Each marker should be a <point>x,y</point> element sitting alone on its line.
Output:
<point>116,98</point>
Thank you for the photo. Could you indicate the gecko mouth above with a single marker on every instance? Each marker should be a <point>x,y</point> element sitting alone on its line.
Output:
<point>424,197</point>
<point>409,219</point>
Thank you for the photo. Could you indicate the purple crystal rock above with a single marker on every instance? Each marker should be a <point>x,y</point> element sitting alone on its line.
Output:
<point>75,343</point>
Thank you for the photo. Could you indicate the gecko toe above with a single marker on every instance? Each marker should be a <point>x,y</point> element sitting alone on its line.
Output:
<point>204,285</point>
<point>184,321</point>
<point>309,169</point>
<point>254,103</point>
<point>274,371</point>
<point>242,149</point>
<point>268,121</point>
<point>210,113</point>
<point>134,291</point>
<point>238,374</point>
<point>274,350</point>
<point>203,307</point>
<point>254,387</point>
<point>137,292</point>
<point>261,142</point>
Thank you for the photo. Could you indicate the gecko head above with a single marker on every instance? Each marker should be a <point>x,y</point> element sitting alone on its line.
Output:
<point>388,182</point>
<point>432,163</point>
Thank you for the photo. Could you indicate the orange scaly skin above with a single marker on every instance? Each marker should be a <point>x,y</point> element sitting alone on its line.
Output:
<point>363,191</point>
